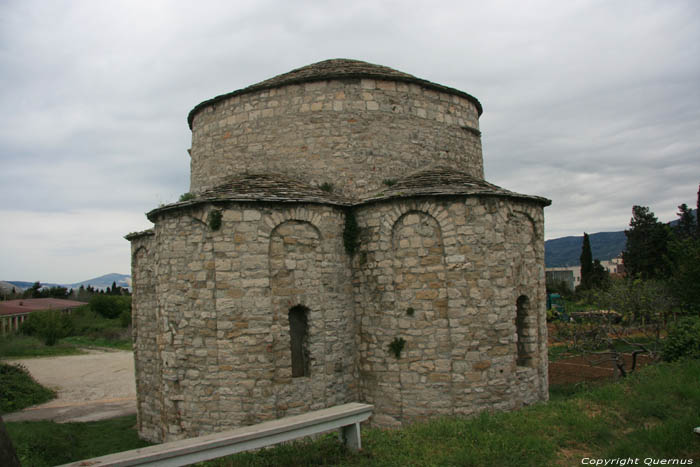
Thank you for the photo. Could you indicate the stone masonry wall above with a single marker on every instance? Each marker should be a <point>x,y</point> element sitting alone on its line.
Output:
<point>353,133</point>
<point>145,335</point>
<point>224,298</point>
<point>456,264</point>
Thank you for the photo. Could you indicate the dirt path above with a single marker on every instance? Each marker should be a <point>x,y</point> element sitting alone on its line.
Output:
<point>90,387</point>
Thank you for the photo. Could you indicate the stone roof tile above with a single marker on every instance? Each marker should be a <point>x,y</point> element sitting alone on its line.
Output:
<point>267,187</point>
<point>277,188</point>
<point>443,181</point>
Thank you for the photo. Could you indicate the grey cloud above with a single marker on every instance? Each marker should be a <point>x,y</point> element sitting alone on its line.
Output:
<point>592,104</point>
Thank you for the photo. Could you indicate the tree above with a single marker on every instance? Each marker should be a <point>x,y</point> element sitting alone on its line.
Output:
<point>593,274</point>
<point>49,326</point>
<point>686,222</point>
<point>56,292</point>
<point>697,213</point>
<point>684,253</point>
<point>600,277</point>
<point>33,291</point>
<point>646,254</point>
<point>110,307</point>
<point>586,263</point>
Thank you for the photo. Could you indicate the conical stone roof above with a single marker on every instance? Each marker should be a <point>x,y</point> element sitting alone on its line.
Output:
<point>336,68</point>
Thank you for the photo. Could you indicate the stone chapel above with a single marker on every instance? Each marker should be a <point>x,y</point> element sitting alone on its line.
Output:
<point>338,243</point>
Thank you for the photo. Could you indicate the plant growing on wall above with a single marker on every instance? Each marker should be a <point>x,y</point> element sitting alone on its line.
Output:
<point>186,197</point>
<point>397,345</point>
<point>351,233</point>
<point>215,220</point>
<point>327,187</point>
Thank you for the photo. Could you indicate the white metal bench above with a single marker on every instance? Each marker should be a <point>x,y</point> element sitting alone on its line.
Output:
<point>347,417</point>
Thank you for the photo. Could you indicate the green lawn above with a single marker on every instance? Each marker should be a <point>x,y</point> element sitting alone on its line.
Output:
<point>651,414</point>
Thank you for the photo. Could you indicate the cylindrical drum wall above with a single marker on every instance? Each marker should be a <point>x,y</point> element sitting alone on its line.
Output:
<point>351,133</point>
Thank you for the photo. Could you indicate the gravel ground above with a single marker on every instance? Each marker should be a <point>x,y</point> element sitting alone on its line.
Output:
<point>90,387</point>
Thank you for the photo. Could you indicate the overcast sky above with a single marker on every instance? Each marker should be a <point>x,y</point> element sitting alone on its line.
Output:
<point>593,104</point>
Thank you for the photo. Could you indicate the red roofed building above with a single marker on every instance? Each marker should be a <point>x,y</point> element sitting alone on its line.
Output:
<point>14,312</point>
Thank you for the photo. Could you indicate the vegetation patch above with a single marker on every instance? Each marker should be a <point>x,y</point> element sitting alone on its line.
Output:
<point>683,340</point>
<point>351,233</point>
<point>19,390</point>
<point>47,443</point>
<point>83,327</point>
<point>186,197</point>
<point>20,346</point>
<point>649,414</point>
<point>397,345</point>
<point>215,218</point>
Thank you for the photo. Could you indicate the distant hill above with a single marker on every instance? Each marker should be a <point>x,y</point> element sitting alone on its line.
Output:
<point>102,282</point>
<point>28,285</point>
<point>566,251</point>
<point>8,287</point>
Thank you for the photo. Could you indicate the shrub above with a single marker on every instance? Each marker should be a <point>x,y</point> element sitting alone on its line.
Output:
<point>351,233</point>
<point>396,346</point>
<point>215,220</point>
<point>110,306</point>
<point>125,318</point>
<point>683,340</point>
<point>49,326</point>
<point>19,390</point>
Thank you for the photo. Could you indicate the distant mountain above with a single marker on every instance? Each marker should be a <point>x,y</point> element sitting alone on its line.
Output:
<point>102,282</point>
<point>566,251</point>
<point>8,287</point>
<point>28,285</point>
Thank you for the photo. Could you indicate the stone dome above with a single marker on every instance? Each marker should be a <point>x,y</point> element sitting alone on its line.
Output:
<point>335,68</point>
<point>347,123</point>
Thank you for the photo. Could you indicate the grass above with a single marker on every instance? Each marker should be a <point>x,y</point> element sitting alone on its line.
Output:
<point>19,390</point>
<point>89,330</point>
<point>47,443</point>
<point>650,414</point>
<point>100,342</point>
<point>19,346</point>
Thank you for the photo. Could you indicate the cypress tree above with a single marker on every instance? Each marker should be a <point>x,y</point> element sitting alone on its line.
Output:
<point>586,263</point>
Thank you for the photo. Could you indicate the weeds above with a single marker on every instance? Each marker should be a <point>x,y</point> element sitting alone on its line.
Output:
<point>19,390</point>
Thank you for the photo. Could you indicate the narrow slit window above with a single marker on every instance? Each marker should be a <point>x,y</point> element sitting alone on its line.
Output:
<point>525,341</point>
<point>299,337</point>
